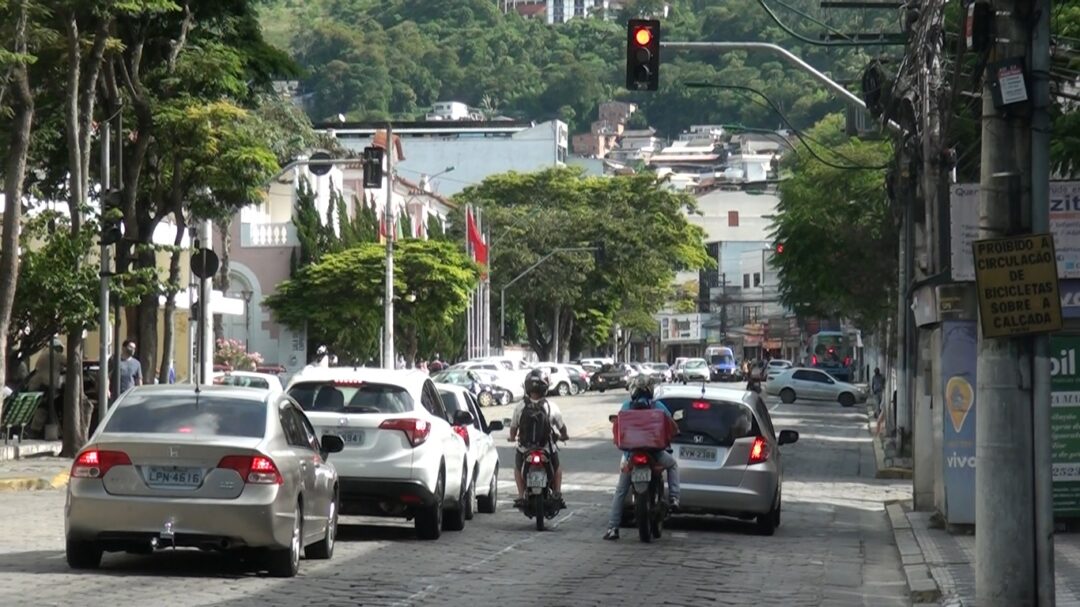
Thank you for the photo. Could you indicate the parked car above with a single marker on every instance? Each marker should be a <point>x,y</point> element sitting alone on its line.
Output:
<point>662,370</point>
<point>611,377</point>
<point>402,457</point>
<point>561,383</point>
<point>484,392</point>
<point>695,369</point>
<point>248,379</point>
<point>482,456</point>
<point>813,384</point>
<point>222,468</point>
<point>579,378</point>
<point>775,367</point>
<point>597,361</point>
<point>728,453</point>
<point>510,380</point>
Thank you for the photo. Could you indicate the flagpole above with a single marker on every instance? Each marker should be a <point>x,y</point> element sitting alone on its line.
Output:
<point>469,309</point>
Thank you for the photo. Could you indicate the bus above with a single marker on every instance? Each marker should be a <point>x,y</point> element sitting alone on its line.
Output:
<point>832,352</point>
<point>722,366</point>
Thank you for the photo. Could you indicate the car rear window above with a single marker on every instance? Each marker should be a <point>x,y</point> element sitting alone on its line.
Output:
<point>694,364</point>
<point>351,397</point>
<point>450,400</point>
<point>208,415</point>
<point>716,422</point>
<point>723,359</point>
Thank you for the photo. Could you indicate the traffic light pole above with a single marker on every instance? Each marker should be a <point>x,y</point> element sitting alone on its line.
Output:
<point>783,53</point>
<point>103,285</point>
<point>388,222</point>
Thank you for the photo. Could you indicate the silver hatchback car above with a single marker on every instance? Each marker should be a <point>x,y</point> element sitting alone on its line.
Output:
<point>222,468</point>
<point>728,453</point>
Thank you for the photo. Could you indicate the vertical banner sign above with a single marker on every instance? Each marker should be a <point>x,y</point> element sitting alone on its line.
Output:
<point>1065,424</point>
<point>958,363</point>
<point>1017,284</point>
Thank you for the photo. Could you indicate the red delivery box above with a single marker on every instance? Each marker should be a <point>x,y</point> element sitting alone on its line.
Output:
<point>643,429</point>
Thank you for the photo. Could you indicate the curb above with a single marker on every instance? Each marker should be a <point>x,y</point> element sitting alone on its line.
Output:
<point>34,483</point>
<point>922,588</point>
<point>883,470</point>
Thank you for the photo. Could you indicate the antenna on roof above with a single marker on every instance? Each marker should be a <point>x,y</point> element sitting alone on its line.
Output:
<point>703,387</point>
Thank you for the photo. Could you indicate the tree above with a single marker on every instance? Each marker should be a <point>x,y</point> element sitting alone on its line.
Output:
<point>838,231</point>
<point>337,297</point>
<point>643,229</point>
<point>19,111</point>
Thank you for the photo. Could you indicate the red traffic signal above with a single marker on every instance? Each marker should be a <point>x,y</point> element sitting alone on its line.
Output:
<point>643,55</point>
<point>779,248</point>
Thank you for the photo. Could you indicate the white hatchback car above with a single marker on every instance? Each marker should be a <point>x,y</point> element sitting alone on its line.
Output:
<point>402,457</point>
<point>483,457</point>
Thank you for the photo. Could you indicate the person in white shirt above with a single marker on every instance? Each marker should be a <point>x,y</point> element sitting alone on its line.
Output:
<point>537,385</point>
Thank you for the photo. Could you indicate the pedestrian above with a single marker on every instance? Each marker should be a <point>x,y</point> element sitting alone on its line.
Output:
<point>130,369</point>
<point>877,386</point>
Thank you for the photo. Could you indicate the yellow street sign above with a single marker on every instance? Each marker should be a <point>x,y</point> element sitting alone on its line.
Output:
<point>1018,285</point>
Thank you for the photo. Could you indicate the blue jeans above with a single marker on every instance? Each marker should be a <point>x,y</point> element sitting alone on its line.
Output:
<point>663,458</point>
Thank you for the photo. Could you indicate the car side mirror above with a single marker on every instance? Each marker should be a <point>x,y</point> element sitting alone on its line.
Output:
<point>787,437</point>
<point>332,443</point>
<point>495,426</point>
<point>462,418</point>
<point>612,418</point>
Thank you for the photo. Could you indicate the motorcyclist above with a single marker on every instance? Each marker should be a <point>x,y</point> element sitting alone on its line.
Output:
<point>537,385</point>
<point>642,398</point>
<point>754,379</point>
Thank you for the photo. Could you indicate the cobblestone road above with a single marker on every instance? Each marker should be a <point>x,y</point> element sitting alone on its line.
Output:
<point>834,547</point>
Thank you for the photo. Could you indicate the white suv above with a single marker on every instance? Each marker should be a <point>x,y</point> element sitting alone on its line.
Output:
<point>402,457</point>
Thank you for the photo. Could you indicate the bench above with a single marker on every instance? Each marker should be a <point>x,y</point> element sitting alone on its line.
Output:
<point>19,410</point>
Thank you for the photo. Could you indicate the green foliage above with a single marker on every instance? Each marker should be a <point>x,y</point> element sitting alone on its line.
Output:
<point>839,235</point>
<point>372,59</point>
<point>338,297</point>
<point>643,228</point>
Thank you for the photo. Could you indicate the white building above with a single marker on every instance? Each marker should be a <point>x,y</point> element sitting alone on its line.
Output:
<point>451,156</point>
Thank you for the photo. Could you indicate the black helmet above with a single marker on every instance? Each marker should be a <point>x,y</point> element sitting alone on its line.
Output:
<point>643,386</point>
<point>537,381</point>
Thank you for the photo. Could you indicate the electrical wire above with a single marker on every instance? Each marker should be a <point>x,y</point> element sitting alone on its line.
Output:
<point>799,134</point>
<point>798,36</point>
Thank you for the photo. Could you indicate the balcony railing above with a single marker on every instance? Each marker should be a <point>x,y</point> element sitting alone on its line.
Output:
<point>268,235</point>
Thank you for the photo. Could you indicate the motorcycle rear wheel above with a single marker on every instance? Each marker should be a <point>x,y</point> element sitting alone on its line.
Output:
<point>643,514</point>
<point>538,510</point>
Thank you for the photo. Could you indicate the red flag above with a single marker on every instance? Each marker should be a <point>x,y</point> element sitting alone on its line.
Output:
<point>479,247</point>
<point>382,228</point>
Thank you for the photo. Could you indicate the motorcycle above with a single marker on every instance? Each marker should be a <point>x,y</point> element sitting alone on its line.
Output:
<point>539,490</point>
<point>650,495</point>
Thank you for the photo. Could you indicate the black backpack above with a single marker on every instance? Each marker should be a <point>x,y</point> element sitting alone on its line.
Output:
<point>534,427</point>
<point>641,403</point>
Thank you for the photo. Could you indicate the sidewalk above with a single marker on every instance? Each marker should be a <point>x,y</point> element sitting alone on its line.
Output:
<point>32,465</point>
<point>889,464</point>
<point>948,560</point>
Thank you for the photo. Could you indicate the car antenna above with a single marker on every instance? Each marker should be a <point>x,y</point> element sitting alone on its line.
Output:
<point>703,388</point>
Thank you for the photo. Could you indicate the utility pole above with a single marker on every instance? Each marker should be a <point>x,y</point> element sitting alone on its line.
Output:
<point>103,287</point>
<point>1005,543</point>
<point>389,361</point>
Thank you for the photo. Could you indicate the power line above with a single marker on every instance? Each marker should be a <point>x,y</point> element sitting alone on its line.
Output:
<point>799,134</point>
<point>849,43</point>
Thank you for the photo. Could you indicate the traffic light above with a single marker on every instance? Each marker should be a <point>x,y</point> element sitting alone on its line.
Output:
<point>643,55</point>
<point>373,167</point>
<point>112,218</point>
<point>779,248</point>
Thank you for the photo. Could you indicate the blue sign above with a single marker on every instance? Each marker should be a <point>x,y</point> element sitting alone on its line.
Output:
<point>958,364</point>
<point>1070,298</point>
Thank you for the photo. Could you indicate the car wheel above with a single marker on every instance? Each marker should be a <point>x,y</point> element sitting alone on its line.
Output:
<point>602,390</point>
<point>847,400</point>
<point>285,562</point>
<point>470,498</point>
<point>454,520</point>
<point>485,399</point>
<point>574,390</point>
<point>767,522</point>
<point>563,388</point>
<point>83,555</point>
<point>487,504</point>
<point>787,395</point>
<point>428,522</point>
<point>324,549</point>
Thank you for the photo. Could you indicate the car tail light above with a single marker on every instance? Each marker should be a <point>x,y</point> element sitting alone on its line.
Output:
<point>759,451</point>
<point>416,430</point>
<point>348,382</point>
<point>94,463</point>
<point>536,458</point>
<point>639,459</point>
<point>701,406</point>
<point>813,360</point>
<point>463,432</point>
<point>254,469</point>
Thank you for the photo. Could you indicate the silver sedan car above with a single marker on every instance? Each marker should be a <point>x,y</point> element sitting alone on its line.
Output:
<point>220,468</point>
<point>728,453</point>
<point>813,384</point>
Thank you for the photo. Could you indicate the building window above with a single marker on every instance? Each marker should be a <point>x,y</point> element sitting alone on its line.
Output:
<point>751,314</point>
<point>757,279</point>
<point>746,281</point>
<point>733,219</point>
